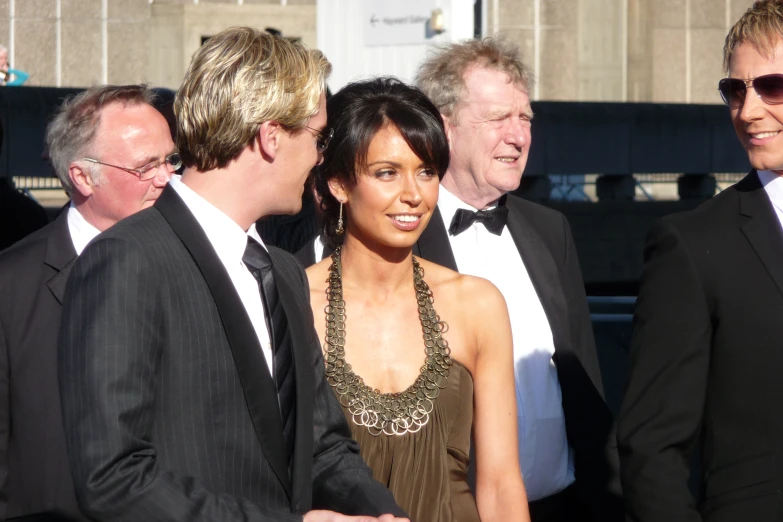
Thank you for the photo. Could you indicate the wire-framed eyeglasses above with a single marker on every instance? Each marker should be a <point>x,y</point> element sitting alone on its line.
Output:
<point>172,162</point>
<point>768,87</point>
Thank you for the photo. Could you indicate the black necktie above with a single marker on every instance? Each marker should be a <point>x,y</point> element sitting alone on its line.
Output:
<point>260,264</point>
<point>494,219</point>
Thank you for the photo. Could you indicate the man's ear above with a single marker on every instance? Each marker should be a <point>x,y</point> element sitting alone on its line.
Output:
<point>269,136</point>
<point>81,180</point>
<point>447,127</point>
<point>338,190</point>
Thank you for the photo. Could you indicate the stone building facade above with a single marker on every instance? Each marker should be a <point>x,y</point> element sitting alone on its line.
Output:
<point>621,50</point>
<point>581,50</point>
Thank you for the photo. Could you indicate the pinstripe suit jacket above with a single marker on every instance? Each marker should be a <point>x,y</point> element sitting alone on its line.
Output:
<point>169,409</point>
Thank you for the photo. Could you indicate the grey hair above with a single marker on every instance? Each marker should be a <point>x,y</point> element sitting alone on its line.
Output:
<point>3,48</point>
<point>442,75</point>
<point>72,132</point>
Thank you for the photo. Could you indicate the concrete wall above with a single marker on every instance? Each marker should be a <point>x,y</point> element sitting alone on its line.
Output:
<point>77,43</point>
<point>176,30</point>
<point>620,50</point>
<point>581,50</point>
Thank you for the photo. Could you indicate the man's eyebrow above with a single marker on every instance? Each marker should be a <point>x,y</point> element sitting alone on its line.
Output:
<point>504,112</point>
<point>497,112</point>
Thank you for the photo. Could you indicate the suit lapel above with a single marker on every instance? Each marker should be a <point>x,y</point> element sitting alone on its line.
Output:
<point>303,372</point>
<point>542,269</point>
<point>434,245</point>
<point>762,228</point>
<point>259,389</point>
<point>60,256</point>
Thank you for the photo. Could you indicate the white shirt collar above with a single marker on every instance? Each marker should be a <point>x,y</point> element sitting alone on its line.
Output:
<point>773,185</point>
<point>227,238</point>
<point>81,231</point>
<point>318,246</point>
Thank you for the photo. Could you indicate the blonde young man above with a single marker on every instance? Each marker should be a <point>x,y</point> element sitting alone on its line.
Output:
<point>707,347</point>
<point>566,443</point>
<point>193,382</point>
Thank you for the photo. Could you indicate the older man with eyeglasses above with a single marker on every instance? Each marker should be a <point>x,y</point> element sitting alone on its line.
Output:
<point>113,153</point>
<point>707,346</point>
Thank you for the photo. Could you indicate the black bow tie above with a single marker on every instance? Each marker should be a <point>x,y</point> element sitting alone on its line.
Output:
<point>494,219</point>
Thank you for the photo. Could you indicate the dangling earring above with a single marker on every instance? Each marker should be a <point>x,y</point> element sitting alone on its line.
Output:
<point>340,230</point>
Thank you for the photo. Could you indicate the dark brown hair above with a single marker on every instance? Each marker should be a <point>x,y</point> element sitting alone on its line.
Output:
<point>356,114</point>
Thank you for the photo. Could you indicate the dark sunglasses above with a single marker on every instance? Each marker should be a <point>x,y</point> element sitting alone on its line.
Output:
<point>768,87</point>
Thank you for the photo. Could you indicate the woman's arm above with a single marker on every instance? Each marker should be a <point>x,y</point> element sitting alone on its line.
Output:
<point>500,491</point>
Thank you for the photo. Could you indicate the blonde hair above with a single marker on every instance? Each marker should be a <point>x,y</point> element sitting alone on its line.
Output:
<point>442,75</point>
<point>761,26</point>
<point>239,79</point>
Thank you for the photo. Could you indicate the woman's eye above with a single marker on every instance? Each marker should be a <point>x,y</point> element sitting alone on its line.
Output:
<point>386,173</point>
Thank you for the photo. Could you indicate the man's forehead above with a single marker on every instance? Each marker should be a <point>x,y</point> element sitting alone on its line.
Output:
<point>123,125</point>
<point>122,114</point>
<point>482,83</point>
<point>768,48</point>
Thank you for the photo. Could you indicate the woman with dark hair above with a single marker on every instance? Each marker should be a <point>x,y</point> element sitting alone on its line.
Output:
<point>411,387</point>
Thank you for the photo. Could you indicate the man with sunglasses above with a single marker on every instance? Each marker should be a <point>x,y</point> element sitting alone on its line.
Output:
<point>113,153</point>
<point>707,347</point>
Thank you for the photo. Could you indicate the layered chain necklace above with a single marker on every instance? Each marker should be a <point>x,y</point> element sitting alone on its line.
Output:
<point>388,413</point>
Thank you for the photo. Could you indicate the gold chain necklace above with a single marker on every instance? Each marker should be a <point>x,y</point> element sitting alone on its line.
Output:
<point>388,413</point>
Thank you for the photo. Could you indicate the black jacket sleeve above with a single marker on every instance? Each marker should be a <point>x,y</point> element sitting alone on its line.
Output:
<point>666,388</point>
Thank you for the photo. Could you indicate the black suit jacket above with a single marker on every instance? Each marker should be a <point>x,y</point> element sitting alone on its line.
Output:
<point>19,214</point>
<point>706,363</point>
<point>170,412</point>
<point>34,474</point>
<point>543,238</point>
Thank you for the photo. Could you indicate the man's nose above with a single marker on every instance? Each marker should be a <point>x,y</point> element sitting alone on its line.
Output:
<point>162,176</point>
<point>752,108</point>
<point>518,132</point>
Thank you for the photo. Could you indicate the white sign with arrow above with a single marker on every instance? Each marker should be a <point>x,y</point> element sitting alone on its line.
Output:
<point>397,22</point>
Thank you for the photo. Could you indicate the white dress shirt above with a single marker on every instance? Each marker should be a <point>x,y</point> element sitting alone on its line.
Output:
<point>773,185</point>
<point>318,246</point>
<point>81,231</point>
<point>229,241</point>
<point>544,454</point>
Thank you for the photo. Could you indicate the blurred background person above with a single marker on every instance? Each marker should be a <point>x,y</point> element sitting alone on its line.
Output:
<point>8,76</point>
<point>409,377</point>
<point>113,153</point>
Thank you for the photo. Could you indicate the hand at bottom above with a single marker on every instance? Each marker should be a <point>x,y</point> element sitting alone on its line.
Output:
<point>332,516</point>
